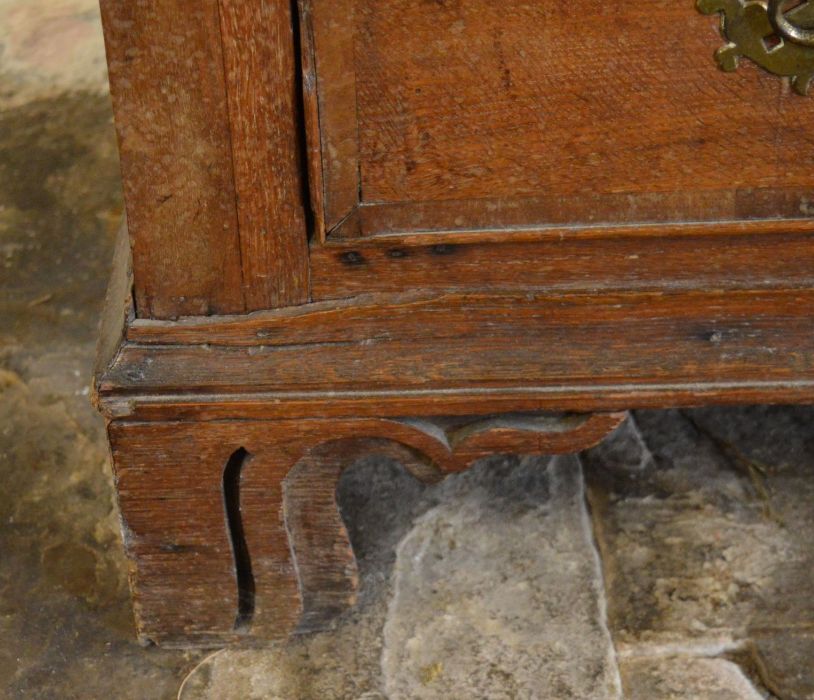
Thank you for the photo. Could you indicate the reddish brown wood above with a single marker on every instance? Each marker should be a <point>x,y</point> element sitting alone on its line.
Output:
<point>540,262</point>
<point>206,101</point>
<point>169,95</point>
<point>531,207</point>
<point>503,114</point>
<point>261,69</point>
<point>373,319</point>
<point>316,182</point>
<point>170,479</point>
<point>331,44</point>
<point>535,434</point>
<point>272,406</point>
<point>325,563</point>
<point>583,344</point>
<point>767,209</point>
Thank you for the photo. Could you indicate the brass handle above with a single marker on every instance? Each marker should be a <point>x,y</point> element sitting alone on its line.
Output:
<point>779,40</point>
<point>785,27</point>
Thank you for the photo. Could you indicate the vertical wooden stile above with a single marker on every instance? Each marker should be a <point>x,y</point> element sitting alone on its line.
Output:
<point>169,97</point>
<point>261,77</point>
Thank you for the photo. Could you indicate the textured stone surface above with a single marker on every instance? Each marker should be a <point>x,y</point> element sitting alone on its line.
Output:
<point>686,678</point>
<point>701,543</point>
<point>66,628</point>
<point>785,664</point>
<point>495,593</point>
<point>498,592</point>
<point>48,47</point>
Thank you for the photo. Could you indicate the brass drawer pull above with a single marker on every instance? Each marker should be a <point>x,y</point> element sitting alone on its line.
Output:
<point>777,39</point>
<point>785,27</point>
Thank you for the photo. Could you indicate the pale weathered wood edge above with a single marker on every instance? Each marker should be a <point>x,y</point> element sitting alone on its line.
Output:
<point>339,238</point>
<point>117,312</point>
<point>579,399</point>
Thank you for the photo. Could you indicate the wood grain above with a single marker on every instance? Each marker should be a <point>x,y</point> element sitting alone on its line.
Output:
<point>169,95</point>
<point>594,260</point>
<point>331,38</point>
<point>534,209</point>
<point>654,214</point>
<point>117,312</point>
<point>260,405</point>
<point>586,346</point>
<point>261,69</point>
<point>170,488</point>
<point>492,113</point>
<point>313,136</point>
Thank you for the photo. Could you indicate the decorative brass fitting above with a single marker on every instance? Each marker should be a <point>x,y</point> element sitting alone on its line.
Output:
<point>778,40</point>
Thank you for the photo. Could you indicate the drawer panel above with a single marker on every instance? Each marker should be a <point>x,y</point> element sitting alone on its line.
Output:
<point>474,114</point>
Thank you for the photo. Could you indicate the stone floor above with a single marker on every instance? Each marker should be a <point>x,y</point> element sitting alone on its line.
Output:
<point>673,562</point>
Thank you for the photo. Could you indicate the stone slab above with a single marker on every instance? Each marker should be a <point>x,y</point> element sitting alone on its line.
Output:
<point>702,543</point>
<point>683,678</point>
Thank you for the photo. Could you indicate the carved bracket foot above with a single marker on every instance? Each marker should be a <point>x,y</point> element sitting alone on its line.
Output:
<point>233,529</point>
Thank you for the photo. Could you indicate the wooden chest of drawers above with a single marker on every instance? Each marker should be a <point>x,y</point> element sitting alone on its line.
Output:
<point>431,229</point>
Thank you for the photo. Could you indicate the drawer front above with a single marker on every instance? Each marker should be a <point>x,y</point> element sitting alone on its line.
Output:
<point>472,115</point>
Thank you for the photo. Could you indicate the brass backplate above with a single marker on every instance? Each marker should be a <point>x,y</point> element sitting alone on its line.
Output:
<point>778,46</point>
